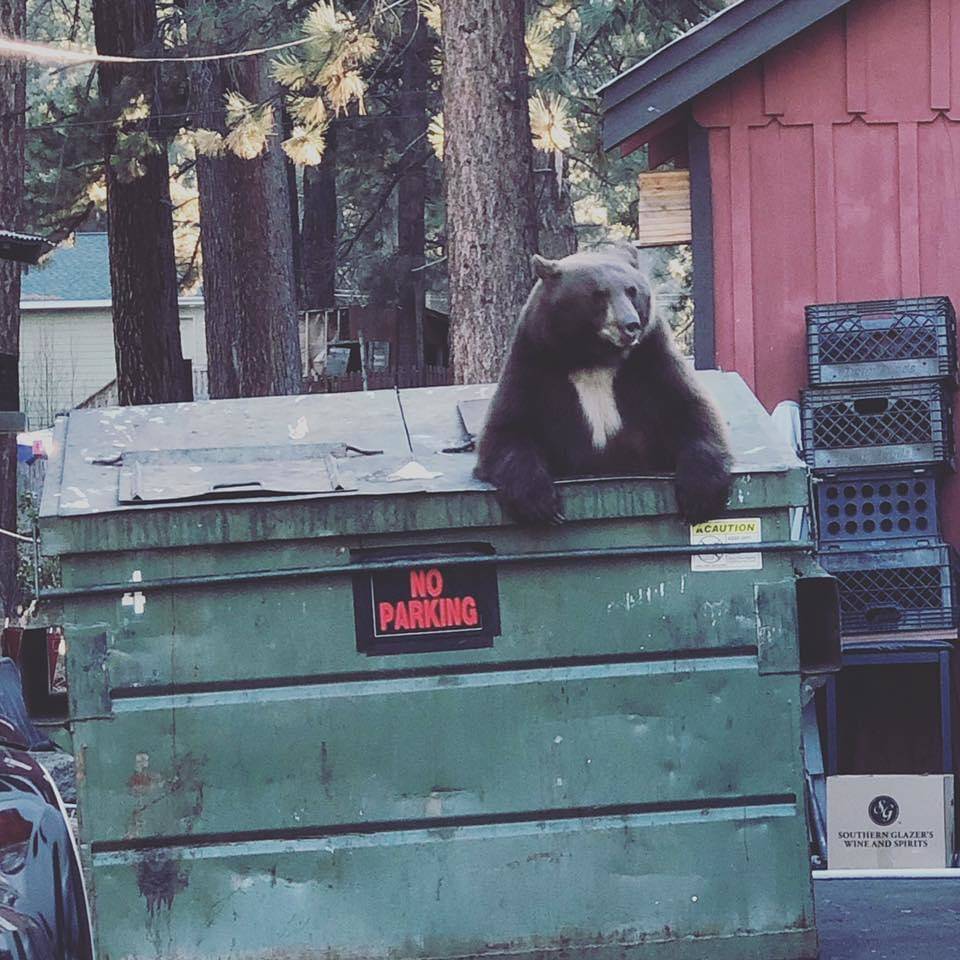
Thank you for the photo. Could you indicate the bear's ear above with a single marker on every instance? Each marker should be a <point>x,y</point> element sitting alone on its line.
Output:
<point>545,269</point>
<point>628,251</point>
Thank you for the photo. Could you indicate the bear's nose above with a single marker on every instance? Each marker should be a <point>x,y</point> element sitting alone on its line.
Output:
<point>632,327</point>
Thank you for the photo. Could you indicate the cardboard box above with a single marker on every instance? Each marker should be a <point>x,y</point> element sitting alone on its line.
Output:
<point>890,822</point>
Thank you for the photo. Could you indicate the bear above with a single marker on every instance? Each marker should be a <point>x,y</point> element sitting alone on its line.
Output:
<point>594,385</point>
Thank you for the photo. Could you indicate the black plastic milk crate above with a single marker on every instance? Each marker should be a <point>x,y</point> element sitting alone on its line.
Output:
<point>877,425</point>
<point>861,511</point>
<point>895,591</point>
<point>882,340</point>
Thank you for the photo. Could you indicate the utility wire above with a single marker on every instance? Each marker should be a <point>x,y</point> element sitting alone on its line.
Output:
<point>48,53</point>
<point>16,536</point>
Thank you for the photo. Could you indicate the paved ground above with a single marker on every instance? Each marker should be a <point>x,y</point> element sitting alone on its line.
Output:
<point>889,919</point>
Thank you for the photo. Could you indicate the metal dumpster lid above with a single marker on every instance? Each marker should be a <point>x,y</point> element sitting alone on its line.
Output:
<point>350,444</point>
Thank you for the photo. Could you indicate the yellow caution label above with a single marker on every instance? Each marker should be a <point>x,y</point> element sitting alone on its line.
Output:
<point>717,533</point>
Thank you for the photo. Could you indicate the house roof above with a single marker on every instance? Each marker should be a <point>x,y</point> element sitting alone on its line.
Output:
<point>80,271</point>
<point>666,81</point>
<point>22,247</point>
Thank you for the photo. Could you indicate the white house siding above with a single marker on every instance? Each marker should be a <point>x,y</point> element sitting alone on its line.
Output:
<point>66,353</point>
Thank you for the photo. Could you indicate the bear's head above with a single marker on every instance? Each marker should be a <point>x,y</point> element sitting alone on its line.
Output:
<point>591,308</point>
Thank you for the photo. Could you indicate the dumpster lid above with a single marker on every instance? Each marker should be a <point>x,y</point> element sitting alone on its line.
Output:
<point>148,476</point>
<point>317,445</point>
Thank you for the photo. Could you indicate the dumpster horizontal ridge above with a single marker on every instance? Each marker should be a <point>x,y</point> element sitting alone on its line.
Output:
<point>197,846</point>
<point>496,559</point>
<point>134,699</point>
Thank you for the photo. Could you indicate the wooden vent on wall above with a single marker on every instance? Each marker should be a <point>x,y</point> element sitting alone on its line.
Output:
<point>664,208</point>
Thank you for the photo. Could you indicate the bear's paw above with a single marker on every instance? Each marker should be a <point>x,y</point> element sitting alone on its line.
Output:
<point>534,504</point>
<point>703,485</point>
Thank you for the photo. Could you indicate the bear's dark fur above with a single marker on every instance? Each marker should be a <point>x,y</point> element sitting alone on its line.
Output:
<point>594,386</point>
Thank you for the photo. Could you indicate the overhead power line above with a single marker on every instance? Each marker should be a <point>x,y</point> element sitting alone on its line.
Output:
<point>15,536</point>
<point>11,49</point>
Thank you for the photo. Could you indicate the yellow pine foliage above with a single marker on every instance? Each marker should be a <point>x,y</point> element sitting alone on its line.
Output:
<point>238,107</point>
<point>137,109</point>
<point>305,146</point>
<point>539,44</point>
<point>289,72</point>
<point>362,47</point>
<point>342,88</point>
<point>431,12</point>
<point>249,126</point>
<point>97,193</point>
<point>208,143</point>
<point>310,111</point>
<point>550,123</point>
<point>323,23</point>
<point>435,135</point>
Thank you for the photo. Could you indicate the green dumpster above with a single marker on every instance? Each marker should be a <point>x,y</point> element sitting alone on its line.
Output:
<point>328,702</point>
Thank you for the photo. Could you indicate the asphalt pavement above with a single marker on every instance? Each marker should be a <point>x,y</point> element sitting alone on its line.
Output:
<point>889,919</point>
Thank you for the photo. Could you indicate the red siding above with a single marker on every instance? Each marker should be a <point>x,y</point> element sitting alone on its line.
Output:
<point>835,164</point>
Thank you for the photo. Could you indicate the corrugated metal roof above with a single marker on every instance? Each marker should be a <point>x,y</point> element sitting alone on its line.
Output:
<point>179,453</point>
<point>77,271</point>
<point>24,248</point>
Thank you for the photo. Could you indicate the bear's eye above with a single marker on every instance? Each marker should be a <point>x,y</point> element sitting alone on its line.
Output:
<point>632,293</point>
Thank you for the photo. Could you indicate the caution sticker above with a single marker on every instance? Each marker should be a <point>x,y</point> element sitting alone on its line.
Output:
<point>721,532</point>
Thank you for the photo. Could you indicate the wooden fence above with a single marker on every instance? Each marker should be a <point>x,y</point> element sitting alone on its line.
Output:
<point>383,380</point>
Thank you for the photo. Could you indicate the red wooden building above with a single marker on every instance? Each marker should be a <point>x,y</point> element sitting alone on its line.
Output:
<point>823,141</point>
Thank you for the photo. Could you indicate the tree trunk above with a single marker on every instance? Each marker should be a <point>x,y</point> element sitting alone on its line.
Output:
<point>488,161</point>
<point>143,271</point>
<point>291,170</point>
<point>246,235</point>
<point>557,232</point>
<point>412,191</point>
<point>222,300</point>
<point>12,105</point>
<point>318,237</point>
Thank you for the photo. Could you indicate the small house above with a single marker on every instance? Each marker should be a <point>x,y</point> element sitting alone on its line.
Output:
<point>822,139</point>
<point>67,353</point>
<point>66,330</point>
<point>821,144</point>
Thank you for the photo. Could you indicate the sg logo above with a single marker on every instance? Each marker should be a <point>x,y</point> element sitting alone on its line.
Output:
<point>883,811</point>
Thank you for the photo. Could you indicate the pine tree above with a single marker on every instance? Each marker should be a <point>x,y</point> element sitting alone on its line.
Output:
<point>412,190</point>
<point>249,288</point>
<point>143,274</point>
<point>488,161</point>
<point>318,235</point>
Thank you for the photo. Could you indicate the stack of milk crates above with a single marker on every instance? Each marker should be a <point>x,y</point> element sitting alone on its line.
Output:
<point>878,435</point>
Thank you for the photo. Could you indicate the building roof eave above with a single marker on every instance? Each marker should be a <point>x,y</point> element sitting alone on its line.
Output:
<point>701,58</point>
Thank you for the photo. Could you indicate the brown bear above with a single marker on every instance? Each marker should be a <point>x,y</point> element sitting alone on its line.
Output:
<point>594,386</point>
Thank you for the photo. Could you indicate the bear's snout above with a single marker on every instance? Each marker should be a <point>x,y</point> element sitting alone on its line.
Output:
<point>633,329</point>
<point>630,328</point>
<point>622,325</point>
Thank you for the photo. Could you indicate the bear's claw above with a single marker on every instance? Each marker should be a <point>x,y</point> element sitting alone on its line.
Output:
<point>703,497</point>
<point>535,506</point>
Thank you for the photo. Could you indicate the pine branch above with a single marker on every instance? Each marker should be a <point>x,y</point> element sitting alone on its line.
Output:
<point>384,198</point>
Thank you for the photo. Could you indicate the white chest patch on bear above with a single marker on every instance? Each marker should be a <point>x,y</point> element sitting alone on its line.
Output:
<point>598,403</point>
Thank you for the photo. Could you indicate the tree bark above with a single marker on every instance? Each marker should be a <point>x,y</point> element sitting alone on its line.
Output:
<point>143,271</point>
<point>246,235</point>
<point>296,240</point>
<point>488,161</point>
<point>412,191</point>
<point>12,105</point>
<point>318,236</point>
<point>222,300</point>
